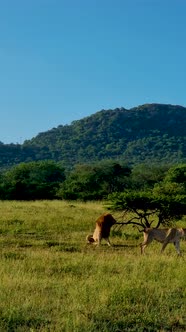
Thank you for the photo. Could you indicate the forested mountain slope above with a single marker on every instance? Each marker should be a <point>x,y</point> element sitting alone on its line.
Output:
<point>151,132</point>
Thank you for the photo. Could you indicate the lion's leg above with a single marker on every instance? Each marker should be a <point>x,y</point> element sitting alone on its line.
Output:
<point>99,239</point>
<point>145,243</point>
<point>164,246</point>
<point>143,246</point>
<point>169,236</point>
<point>177,246</point>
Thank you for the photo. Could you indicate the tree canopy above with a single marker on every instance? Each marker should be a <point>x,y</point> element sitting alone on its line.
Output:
<point>30,181</point>
<point>164,204</point>
<point>95,181</point>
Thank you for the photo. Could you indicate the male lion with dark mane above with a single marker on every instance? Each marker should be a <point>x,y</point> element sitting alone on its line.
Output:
<point>102,230</point>
<point>165,236</point>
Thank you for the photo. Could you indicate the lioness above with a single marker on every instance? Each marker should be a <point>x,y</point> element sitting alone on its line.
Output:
<point>165,236</point>
<point>102,230</point>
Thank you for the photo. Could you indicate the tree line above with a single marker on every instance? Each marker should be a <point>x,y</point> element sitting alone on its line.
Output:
<point>149,194</point>
<point>50,180</point>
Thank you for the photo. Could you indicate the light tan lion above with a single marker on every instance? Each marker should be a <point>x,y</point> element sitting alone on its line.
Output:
<point>102,230</point>
<point>165,236</point>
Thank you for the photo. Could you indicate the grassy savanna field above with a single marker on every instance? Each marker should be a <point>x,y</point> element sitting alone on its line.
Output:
<point>51,280</point>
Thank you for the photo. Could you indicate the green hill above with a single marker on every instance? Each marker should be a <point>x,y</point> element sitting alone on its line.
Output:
<point>148,133</point>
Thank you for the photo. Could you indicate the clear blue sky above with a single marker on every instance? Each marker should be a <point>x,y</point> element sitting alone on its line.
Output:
<point>62,60</point>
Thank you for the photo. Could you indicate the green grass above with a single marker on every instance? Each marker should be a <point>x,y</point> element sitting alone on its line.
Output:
<point>51,280</point>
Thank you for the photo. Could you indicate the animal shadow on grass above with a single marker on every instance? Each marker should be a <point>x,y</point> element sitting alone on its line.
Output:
<point>123,246</point>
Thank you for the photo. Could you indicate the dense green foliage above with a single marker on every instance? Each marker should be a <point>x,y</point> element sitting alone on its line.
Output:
<point>48,180</point>
<point>148,133</point>
<point>93,182</point>
<point>162,204</point>
<point>13,154</point>
<point>29,181</point>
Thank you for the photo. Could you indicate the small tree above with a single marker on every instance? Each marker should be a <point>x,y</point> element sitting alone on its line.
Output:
<point>137,208</point>
<point>161,206</point>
